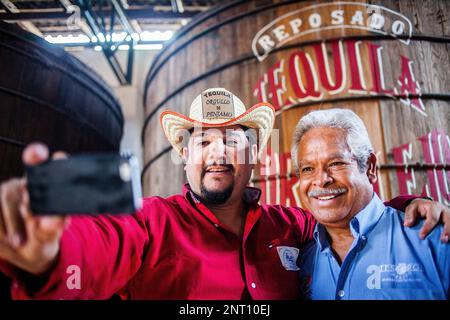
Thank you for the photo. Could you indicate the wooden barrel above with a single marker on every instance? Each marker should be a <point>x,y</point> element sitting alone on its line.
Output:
<point>47,95</point>
<point>389,61</point>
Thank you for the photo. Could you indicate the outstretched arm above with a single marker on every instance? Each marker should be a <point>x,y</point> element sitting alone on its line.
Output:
<point>48,258</point>
<point>97,257</point>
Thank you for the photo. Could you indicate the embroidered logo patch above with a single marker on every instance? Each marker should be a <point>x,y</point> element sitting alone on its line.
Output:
<point>217,105</point>
<point>288,257</point>
<point>400,275</point>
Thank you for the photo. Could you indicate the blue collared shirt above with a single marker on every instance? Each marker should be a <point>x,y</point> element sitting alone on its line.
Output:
<point>386,261</point>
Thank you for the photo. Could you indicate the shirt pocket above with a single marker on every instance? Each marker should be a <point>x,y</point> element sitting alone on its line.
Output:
<point>286,251</point>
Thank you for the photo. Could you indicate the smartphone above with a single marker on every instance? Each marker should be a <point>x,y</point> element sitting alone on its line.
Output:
<point>85,184</point>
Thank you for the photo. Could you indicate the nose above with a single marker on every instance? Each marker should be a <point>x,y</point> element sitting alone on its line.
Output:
<point>322,178</point>
<point>216,151</point>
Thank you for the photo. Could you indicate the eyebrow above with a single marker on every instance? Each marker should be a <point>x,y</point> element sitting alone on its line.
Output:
<point>233,132</point>
<point>334,155</point>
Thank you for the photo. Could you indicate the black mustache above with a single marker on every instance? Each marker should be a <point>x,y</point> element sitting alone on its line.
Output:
<point>228,166</point>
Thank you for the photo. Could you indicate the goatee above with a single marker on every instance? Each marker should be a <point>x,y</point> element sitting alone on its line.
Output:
<point>215,197</point>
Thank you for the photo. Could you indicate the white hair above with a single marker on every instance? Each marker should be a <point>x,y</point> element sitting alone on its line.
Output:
<point>357,137</point>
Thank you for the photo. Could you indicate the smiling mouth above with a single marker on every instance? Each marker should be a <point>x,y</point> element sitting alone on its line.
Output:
<point>326,195</point>
<point>218,169</point>
<point>324,198</point>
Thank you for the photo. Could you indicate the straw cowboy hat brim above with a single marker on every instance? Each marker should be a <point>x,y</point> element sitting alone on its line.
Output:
<point>261,116</point>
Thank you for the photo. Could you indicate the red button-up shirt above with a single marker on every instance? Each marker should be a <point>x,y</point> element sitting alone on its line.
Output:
<point>175,248</point>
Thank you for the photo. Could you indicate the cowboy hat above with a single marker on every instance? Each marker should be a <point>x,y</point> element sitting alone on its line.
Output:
<point>218,107</point>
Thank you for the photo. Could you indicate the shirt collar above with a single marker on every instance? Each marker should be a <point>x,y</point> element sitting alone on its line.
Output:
<point>251,194</point>
<point>251,197</point>
<point>368,217</point>
<point>361,224</point>
<point>320,235</point>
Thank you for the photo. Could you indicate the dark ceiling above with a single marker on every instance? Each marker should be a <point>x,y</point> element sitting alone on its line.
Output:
<point>51,17</point>
<point>105,25</point>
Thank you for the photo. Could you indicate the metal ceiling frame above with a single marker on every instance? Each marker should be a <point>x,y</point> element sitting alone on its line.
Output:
<point>177,6</point>
<point>101,17</point>
<point>27,25</point>
<point>95,19</point>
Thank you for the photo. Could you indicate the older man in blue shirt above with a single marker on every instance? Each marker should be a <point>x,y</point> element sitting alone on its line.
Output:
<point>362,249</point>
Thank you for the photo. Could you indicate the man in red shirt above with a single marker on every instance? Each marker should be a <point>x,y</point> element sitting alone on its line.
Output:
<point>214,241</point>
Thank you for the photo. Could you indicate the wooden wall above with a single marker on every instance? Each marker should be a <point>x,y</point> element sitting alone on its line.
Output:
<point>404,79</point>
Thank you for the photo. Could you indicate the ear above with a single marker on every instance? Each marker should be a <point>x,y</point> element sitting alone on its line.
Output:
<point>372,169</point>
<point>254,154</point>
<point>185,156</point>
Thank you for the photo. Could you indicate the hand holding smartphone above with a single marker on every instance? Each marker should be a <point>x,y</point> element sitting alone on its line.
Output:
<point>85,184</point>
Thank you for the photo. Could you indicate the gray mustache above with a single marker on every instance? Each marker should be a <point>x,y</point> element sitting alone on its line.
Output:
<point>327,192</point>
